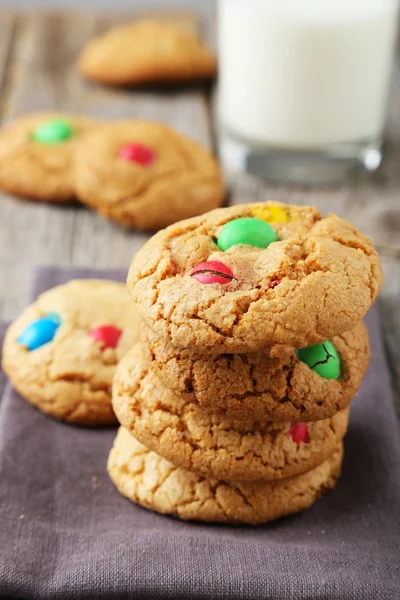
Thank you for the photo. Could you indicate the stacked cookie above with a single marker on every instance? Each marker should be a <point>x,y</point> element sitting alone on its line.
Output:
<point>234,405</point>
<point>140,174</point>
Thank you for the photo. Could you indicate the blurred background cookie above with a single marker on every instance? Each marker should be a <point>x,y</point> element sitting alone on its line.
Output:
<point>147,51</point>
<point>61,353</point>
<point>145,175</point>
<point>36,155</point>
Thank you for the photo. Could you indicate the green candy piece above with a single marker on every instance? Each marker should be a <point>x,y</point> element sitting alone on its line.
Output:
<point>250,231</point>
<point>323,358</point>
<point>52,132</point>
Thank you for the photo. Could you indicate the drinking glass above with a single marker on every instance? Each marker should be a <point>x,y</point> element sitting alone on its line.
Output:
<point>303,85</point>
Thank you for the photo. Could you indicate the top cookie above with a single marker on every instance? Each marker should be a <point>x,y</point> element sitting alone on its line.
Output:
<point>61,353</point>
<point>241,278</point>
<point>147,51</point>
<point>36,155</point>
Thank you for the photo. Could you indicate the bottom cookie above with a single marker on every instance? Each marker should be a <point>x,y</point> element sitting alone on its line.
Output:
<point>149,480</point>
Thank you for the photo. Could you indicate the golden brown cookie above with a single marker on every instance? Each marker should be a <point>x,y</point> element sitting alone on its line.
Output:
<point>145,175</point>
<point>36,155</point>
<point>151,481</point>
<point>61,353</point>
<point>221,283</point>
<point>147,51</point>
<point>210,444</point>
<point>271,384</point>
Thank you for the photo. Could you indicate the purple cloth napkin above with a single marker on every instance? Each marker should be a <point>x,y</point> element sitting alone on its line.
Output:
<point>67,533</point>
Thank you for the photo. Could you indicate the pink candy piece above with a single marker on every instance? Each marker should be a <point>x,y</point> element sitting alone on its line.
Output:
<point>106,335</point>
<point>298,432</point>
<point>212,271</point>
<point>138,153</point>
<point>274,283</point>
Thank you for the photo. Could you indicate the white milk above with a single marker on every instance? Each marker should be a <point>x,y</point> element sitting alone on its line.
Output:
<point>304,74</point>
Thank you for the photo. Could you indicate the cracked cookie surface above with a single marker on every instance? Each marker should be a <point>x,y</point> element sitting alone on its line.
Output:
<point>317,281</point>
<point>210,444</point>
<point>35,170</point>
<point>147,479</point>
<point>147,51</point>
<point>161,176</point>
<point>70,377</point>
<point>270,384</point>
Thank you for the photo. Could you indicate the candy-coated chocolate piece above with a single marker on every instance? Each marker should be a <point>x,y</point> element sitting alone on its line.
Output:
<point>323,358</point>
<point>40,332</point>
<point>252,232</point>
<point>298,432</point>
<point>212,271</point>
<point>137,153</point>
<point>274,282</point>
<point>52,132</point>
<point>271,214</point>
<point>106,335</point>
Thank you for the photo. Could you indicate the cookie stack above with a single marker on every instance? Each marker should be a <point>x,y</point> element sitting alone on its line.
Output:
<point>234,405</point>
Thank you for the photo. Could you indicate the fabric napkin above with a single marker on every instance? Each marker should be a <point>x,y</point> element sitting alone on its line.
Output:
<point>66,533</point>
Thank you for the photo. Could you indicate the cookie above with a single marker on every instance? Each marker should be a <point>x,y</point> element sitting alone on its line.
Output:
<point>36,155</point>
<point>147,51</point>
<point>271,384</point>
<point>149,480</point>
<point>61,353</point>
<point>213,291</point>
<point>210,444</point>
<point>145,175</point>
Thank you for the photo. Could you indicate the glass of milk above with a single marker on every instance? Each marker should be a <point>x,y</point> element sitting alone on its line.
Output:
<point>303,85</point>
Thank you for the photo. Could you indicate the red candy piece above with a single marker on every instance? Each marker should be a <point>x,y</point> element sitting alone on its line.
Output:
<point>298,432</point>
<point>212,271</point>
<point>106,335</point>
<point>274,283</point>
<point>138,153</point>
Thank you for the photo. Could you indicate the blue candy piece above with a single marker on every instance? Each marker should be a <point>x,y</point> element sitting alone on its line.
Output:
<point>40,332</point>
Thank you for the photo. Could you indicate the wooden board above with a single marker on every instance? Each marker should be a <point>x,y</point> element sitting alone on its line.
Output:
<point>37,72</point>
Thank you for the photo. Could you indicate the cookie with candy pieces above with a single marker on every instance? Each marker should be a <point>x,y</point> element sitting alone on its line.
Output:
<point>37,155</point>
<point>276,383</point>
<point>241,278</point>
<point>145,175</point>
<point>61,353</point>
<point>149,480</point>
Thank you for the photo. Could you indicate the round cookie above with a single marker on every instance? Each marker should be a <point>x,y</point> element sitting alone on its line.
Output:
<point>149,480</point>
<point>36,155</point>
<point>143,174</point>
<point>61,353</point>
<point>210,444</point>
<point>317,281</point>
<point>271,384</point>
<point>147,51</point>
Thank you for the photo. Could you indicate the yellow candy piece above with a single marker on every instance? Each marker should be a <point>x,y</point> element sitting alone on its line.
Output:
<point>271,214</point>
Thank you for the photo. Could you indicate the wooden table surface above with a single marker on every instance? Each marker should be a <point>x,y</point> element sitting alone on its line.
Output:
<point>37,72</point>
